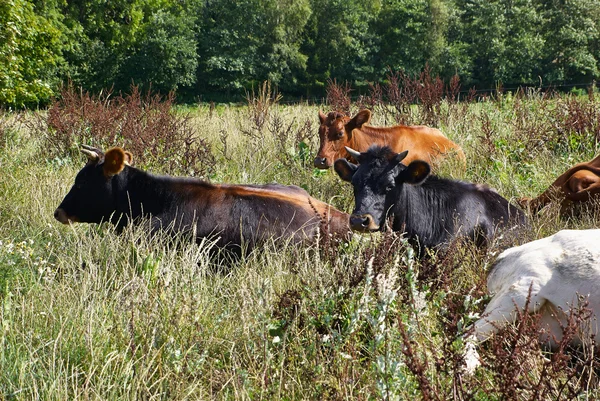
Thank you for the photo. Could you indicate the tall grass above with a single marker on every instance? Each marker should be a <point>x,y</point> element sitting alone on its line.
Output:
<point>89,314</point>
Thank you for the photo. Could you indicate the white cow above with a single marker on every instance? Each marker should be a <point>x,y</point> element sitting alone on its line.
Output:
<point>559,270</point>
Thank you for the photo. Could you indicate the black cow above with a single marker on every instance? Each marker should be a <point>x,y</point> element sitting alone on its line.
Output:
<point>430,210</point>
<point>109,189</point>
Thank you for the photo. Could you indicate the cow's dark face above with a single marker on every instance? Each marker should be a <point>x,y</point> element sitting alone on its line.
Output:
<point>335,132</point>
<point>92,198</point>
<point>378,182</point>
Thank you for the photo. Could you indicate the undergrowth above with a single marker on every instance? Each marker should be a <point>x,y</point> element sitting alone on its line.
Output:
<point>90,314</point>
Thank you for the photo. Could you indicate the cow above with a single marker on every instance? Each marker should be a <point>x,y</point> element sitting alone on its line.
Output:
<point>338,131</point>
<point>430,210</point>
<point>577,185</point>
<point>550,276</point>
<point>109,189</point>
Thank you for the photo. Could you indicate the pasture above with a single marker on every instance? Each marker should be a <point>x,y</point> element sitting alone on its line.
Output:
<point>88,314</point>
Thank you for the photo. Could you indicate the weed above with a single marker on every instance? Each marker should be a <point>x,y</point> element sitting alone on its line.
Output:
<point>146,125</point>
<point>338,96</point>
<point>260,105</point>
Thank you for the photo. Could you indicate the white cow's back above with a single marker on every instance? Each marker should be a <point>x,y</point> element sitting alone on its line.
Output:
<point>550,276</point>
<point>569,261</point>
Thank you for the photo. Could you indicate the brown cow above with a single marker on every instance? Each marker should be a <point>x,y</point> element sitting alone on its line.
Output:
<point>338,130</point>
<point>578,184</point>
<point>109,189</point>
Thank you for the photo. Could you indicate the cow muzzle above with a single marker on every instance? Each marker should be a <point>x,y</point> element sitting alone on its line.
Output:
<point>363,223</point>
<point>62,216</point>
<point>321,162</point>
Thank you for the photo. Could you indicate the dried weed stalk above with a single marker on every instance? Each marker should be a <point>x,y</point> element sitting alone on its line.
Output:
<point>261,103</point>
<point>338,96</point>
<point>145,124</point>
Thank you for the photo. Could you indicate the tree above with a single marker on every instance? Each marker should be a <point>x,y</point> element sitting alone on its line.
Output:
<point>31,45</point>
<point>402,31</point>
<point>120,42</point>
<point>339,41</point>
<point>524,43</point>
<point>503,41</point>
<point>571,33</point>
<point>104,35</point>
<point>164,53</point>
<point>281,47</point>
<point>248,41</point>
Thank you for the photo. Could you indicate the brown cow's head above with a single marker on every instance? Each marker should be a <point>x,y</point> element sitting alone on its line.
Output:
<point>335,133</point>
<point>92,198</point>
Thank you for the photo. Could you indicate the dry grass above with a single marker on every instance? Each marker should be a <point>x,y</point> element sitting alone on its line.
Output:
<point>88,314</point>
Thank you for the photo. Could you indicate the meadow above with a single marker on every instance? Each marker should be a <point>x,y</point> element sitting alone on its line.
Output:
<point>88,314</point>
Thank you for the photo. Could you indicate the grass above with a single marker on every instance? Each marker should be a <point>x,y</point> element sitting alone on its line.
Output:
<point>88,314</point>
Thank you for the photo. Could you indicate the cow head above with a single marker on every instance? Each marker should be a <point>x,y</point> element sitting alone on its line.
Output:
<point>378,181</point>
<point>335,132</point>
<point>92,199</point>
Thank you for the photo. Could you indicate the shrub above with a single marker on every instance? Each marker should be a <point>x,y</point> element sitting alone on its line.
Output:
<point>144,124</point>
<point>415,100</point>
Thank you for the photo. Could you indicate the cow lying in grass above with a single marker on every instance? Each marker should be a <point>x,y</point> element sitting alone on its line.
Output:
<point>108,188</point>
<point>577,185</point>
<point>338,131</point>
<point>547,276</point>
<point>432,211</point>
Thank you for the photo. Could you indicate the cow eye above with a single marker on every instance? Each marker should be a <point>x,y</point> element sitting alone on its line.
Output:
<point>340,134</point>
<point>389,188</point>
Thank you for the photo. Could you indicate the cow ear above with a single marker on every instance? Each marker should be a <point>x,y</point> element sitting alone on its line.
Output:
<point>128,158</point>
<point>415,173</point>
<point>115,160</point>
<point>344,169</point>
<point>362,117</point>
<point>322,117</point>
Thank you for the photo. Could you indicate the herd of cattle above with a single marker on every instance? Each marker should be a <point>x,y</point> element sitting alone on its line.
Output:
<point>390,171</point>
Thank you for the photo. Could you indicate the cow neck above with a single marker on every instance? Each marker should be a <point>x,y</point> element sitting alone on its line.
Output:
<point>417,206</point>
<point>143,193</point>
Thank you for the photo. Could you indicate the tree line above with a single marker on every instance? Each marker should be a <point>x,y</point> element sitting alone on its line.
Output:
<point>218,49</point>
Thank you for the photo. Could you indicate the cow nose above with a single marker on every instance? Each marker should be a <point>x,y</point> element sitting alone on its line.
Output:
<point>321,162</point>
<point>61,215</point>
<point>363,222</point>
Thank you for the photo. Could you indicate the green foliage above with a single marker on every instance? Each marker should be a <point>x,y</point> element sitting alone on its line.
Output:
<point>403,30</point>
<point>572,35</point>
<point>149,43</point>
<point>339,42</point>
<point>30,53</point>
<point>164,56</point>
<point>504,43</point>
<point>221,49</point>
<point>250,41</point>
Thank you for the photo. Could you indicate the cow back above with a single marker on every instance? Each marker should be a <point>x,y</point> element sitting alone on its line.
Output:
<point>441,210</point>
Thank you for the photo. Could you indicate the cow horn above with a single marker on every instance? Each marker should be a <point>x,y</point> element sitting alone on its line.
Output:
<point>402,156</point>
<point>93,149</point>
<point>352,152</point>
<point>92,155</point>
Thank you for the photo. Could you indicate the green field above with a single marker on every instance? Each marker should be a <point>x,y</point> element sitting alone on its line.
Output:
<point>89,314</point>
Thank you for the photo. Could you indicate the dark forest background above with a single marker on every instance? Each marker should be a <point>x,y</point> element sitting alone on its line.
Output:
<point>219,49</point>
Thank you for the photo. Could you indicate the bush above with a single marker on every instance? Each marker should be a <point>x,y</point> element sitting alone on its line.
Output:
<point>144,124</point>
